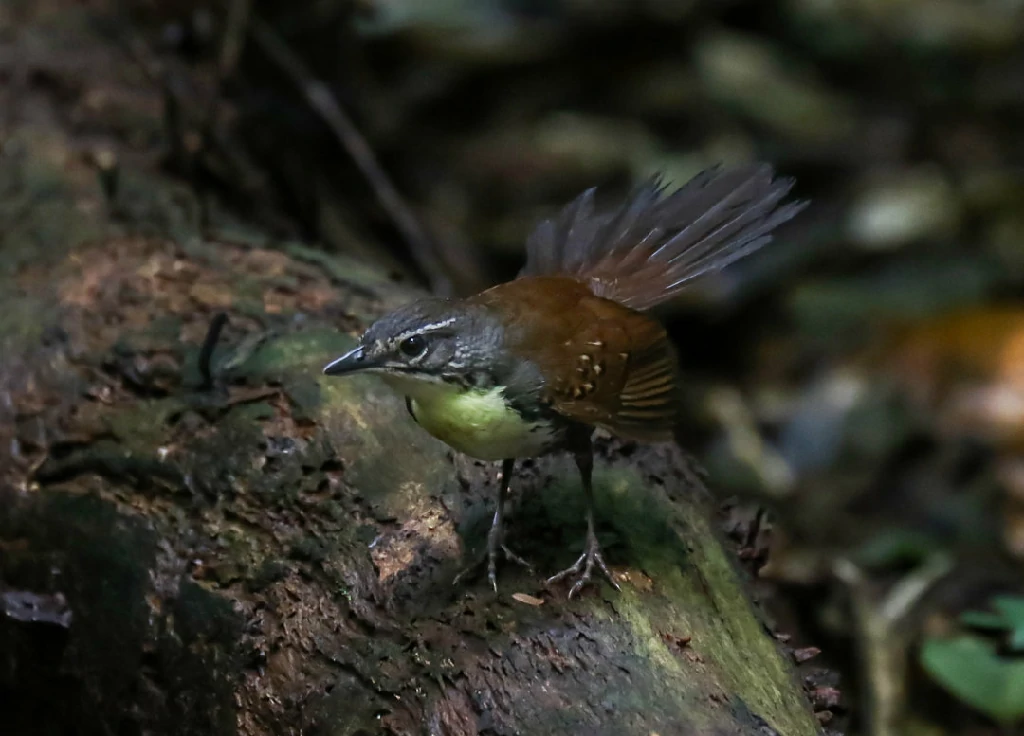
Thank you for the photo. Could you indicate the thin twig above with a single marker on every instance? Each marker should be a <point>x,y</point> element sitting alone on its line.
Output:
<point>232,43</point>
<point>883,659</point>
<point>206,351</point>
<point>136,48</point>
<point>181,114</point>
<point>319,97</point>
<point>234,37</point>
<point>883,637</point>
<point>16,86</point>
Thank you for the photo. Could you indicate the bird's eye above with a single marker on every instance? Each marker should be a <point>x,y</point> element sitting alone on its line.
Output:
<point>413,346</point>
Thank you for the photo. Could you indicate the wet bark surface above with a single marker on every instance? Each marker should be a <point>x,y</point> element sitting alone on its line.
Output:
<point>257,549</point>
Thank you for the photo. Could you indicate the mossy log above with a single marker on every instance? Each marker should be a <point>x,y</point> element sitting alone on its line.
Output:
<point>255,549</point>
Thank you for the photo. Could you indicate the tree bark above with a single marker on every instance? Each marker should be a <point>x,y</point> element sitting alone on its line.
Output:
<point>259,550</point>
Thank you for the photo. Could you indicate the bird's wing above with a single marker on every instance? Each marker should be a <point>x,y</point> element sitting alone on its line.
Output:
<point>623,378</point>
<point>604,364</point>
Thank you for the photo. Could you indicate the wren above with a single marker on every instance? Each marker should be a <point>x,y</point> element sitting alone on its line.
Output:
<point>535,365</point>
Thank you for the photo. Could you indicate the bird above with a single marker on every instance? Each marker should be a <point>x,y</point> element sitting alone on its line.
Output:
<point>536,365</point>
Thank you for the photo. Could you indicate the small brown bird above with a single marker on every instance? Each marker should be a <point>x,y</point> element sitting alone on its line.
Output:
<point>534,365</point>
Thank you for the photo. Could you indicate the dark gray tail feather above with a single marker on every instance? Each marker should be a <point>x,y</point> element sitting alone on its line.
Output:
<point>655,246</point>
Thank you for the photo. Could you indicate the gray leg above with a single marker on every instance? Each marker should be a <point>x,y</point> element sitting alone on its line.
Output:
<point>496,536</point>
<point>584,456</point>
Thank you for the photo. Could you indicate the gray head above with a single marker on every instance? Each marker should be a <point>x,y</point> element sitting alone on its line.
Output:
<point>436,340</point>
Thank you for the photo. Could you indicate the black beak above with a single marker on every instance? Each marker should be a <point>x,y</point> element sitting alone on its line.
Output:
<point>350,362</point>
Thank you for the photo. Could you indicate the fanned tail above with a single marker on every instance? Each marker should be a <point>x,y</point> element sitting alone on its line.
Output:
<point>655,246</point>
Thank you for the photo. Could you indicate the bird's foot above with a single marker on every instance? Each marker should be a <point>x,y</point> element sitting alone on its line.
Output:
<point>494,548</point>
<point>591,556</point>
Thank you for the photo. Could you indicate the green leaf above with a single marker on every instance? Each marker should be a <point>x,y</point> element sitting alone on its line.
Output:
<point>969,668</point>
<point>1012,610</point>
<point>1009,617</point>
<point>1017,640</point>
<point>895,547</point>
<point>984,620</point>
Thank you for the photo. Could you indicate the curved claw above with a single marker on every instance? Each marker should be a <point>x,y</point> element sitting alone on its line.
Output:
<point>491,558</point>
<point>585,564</point>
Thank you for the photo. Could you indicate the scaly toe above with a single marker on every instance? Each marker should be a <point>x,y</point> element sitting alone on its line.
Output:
<point>573,569</point>
<point>585,563</point>
<point>492,570</point>
<point>513,557</point>
<point>605,571</point>
<point>491,559</point>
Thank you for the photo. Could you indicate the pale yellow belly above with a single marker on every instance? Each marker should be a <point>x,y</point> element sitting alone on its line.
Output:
<point>475,422</point>
<point>485,435</point>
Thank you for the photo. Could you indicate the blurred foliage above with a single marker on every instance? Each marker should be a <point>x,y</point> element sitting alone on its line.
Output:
<point>988,673</point>
<point>1009,617</point>
<point>969,667</point>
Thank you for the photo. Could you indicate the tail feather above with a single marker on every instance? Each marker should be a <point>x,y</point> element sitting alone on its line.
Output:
<point>650,249</point>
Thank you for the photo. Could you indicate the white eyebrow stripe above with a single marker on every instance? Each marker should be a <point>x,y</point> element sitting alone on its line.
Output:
<point>432,327</point>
